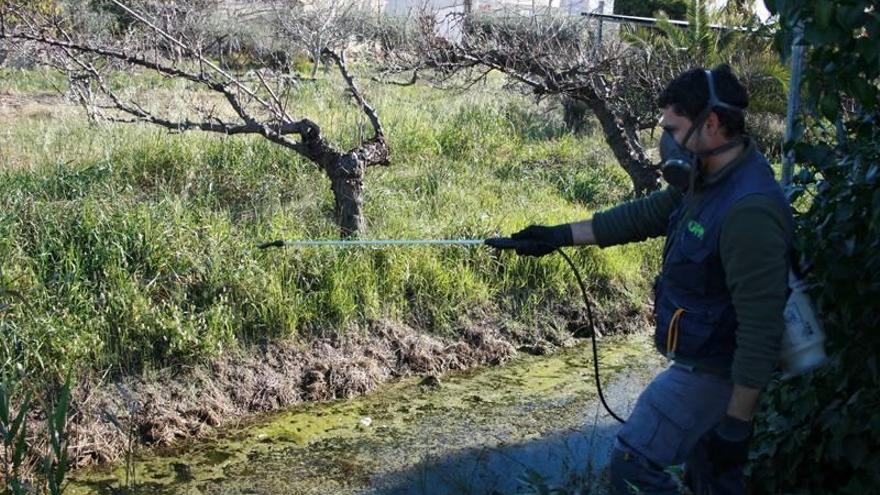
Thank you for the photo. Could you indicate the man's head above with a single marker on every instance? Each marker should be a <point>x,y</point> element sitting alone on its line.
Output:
<point>684,101</point>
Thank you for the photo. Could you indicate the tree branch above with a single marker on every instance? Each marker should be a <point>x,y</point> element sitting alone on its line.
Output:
<point>196,53</point>
<point>362,103</point>
<point>547,56</point>
<point>412,80</point>
<point>118,55</point>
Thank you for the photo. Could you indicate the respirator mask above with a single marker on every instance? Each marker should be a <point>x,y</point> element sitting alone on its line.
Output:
<point>678,164</point>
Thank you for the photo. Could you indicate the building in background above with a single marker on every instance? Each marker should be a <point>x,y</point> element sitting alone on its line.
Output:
<point>522,7</point>
<point>449,13</point>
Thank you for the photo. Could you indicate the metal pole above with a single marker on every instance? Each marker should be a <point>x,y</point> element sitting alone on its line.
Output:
<point>652,21</point>
<point>377,242</point>
<point>601,11</point>
<point>792,122</point>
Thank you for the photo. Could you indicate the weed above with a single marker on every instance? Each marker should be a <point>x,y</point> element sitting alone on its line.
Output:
<point>19,446</point>
<point>136,247</point>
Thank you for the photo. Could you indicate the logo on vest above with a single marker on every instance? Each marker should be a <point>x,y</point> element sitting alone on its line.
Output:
<point>696,229</point>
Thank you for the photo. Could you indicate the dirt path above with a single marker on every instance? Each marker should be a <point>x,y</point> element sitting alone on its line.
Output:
<point>13,106</point>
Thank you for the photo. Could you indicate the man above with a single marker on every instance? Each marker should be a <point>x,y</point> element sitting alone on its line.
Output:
<point>719,298</point>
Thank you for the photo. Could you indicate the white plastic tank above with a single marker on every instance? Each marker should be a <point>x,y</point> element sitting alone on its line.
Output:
<point>803,341</point>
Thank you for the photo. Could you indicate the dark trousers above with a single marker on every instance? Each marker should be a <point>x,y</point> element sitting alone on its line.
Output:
<point>666,429</point>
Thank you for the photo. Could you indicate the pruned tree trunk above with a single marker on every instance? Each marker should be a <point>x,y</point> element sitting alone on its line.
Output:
<point>347,183</point>
<point>348,194</point>
<point>316,63</point>
<point>574,114</point>
<point>627,148</point>
<point>622,137</point>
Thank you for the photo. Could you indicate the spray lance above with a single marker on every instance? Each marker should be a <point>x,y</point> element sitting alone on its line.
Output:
<point>501,243</point>
<point>802,340</point>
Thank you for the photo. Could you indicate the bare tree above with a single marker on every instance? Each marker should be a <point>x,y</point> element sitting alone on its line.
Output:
<point>546,55</point>
<point>318,27</point>
<point>164,37</point>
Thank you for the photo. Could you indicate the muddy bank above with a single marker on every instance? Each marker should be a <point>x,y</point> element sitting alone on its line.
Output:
<point>533,421</point>
<point>167,406</point>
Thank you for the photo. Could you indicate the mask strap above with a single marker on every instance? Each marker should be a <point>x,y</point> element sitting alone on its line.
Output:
<point>713,96</point>
<point>698,122</point>
<point>733,143</point>
<point>713,102</point>
<point>704,114</point>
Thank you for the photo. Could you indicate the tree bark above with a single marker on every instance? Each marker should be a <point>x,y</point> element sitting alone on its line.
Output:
<point>644,175</point>
<point>624,143</point>
<point>346,175</point>
<point>347,184</point>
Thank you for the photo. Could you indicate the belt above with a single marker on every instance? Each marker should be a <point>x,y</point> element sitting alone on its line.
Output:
<point>703,370</point>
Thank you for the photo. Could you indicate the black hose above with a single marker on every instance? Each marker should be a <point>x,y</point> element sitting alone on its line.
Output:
<point>508,243</point>
<point>577,275</point>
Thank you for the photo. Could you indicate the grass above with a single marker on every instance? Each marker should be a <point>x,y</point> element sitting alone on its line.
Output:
<point>30,81</point>
<point>134,247</point>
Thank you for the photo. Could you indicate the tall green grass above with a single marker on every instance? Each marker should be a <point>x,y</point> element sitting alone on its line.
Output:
<point>134,247</point>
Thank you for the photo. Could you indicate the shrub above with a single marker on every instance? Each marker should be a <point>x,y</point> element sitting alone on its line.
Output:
<point>821,433</point>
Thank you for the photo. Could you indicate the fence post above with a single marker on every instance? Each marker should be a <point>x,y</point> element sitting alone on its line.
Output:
<point>792,122</point>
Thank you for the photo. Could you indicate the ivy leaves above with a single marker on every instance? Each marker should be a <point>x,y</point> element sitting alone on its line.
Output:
<point>821,433</point>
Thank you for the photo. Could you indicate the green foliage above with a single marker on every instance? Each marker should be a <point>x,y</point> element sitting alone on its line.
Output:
<point>40,80</point>
<point>522,32</point>
<point>55,463</point>
<point>121,20</point>
<point>136,248</point>
<point>13,429</point>
<point>821,433</point>
<point>17,442</point>
<point>12,10</point>
<point>749,50</point>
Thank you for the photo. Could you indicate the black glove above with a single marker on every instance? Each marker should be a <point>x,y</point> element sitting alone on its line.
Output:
<point>729,444</point>
<point>538,240</point>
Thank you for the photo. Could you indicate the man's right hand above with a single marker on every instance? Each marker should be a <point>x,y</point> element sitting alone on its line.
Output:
<point>538,240</point>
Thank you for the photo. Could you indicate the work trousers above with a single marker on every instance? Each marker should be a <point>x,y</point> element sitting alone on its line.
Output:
<point>667,428</point>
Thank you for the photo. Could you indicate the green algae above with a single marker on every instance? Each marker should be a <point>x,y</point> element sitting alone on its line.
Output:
<point>343,446</point>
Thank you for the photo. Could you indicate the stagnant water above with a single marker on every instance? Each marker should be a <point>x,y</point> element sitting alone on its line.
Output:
<point>531,423</point>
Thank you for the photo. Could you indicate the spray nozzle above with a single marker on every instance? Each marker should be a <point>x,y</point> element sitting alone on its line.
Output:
<point>502,243</point>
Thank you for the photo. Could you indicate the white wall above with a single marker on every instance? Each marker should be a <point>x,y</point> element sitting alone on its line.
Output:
<point>574,7</point>
<point>759,8</point>
<point>448,12</point>
<point>398,7</point>
<point>578,6</point>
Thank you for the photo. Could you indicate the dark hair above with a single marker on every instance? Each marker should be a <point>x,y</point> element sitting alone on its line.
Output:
<point>689,92</point>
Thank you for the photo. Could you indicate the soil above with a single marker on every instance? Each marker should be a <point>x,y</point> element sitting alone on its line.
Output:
<point>163,407</point>
<point>43,105</point>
